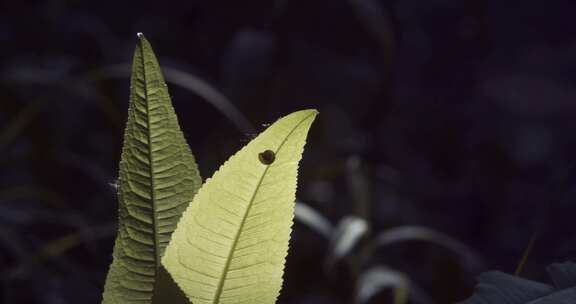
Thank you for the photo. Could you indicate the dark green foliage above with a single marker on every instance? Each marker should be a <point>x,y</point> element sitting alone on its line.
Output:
<point>496,287</point>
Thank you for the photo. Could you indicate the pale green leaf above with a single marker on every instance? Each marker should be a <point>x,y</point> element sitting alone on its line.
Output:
<point>231,242</point>
<point>158,178</point>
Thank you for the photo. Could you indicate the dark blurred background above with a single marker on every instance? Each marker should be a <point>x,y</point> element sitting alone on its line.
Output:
<point>452,120</point>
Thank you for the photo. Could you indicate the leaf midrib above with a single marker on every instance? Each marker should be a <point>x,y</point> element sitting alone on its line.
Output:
<point>220,286</point>
<point>150,157</point>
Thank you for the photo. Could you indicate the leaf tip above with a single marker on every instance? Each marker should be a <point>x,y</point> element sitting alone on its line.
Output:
<point>140,35</point>
<point>312,111</point>
<point>308,113</point>
<point>311,114</point>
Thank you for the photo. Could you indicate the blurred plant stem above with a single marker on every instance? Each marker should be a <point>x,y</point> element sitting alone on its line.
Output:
<point>38,193</point>
<point>18,124</point>
<point>557,189</point>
